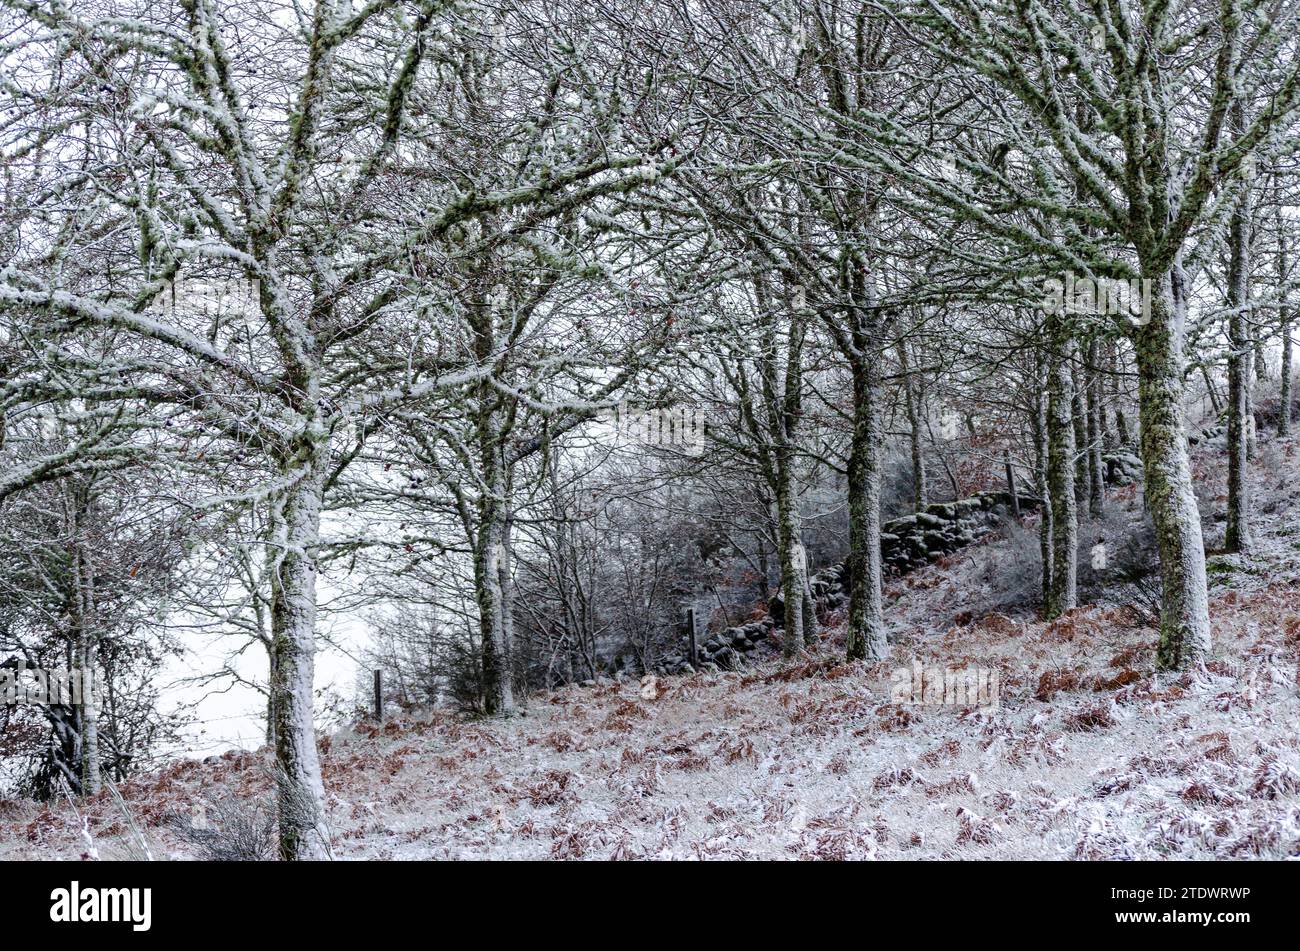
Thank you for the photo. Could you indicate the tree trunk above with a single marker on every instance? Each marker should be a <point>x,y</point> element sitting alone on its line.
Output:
<point>866,628</point>
<point>1013,496</point>
<point>764,571</point>
<point>270,700</point>
<point>1045,510</point>
<point>1117,395</point>
<point>91,781</point>
<point>791,555</point>
<point>489,551</point>
<point>295,533</point>
<point>1259,357</point>
<point>1216,405</point>
<point>498,689</point>
<point>811,628</point>
<point>1079,423</point>
<point>82,611</point>
<point>912,397</point>
<point>1096,428</point>
<point>1061,475</point>
<point>508,605</point>
<point>1284,410</point>
<point>1170,495</point>
<point>1240,413</point>
<point>1105,393</point>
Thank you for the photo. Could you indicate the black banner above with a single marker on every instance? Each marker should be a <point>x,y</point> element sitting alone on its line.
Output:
<point>143,902</point>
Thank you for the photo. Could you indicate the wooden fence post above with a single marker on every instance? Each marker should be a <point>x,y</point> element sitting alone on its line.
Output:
<point>1011,485</point>
<point>690,634</point>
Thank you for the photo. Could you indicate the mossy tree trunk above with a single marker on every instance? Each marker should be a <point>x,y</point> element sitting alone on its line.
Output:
<point>1170,494</point>
<point>866,629</point>
<point>295,533</point>
<point>1062,500</point>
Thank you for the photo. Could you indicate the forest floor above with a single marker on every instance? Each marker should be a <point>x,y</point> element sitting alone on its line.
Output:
<point>1088,754</point>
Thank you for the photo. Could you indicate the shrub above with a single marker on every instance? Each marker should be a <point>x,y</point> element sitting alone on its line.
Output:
<point>1130,574</point>
<point>1014,578</point>
<point>229,830</point>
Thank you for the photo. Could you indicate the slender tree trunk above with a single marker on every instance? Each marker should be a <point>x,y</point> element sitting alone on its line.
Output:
<point>1121,428</point>
<point>507,586</point>
<point>91,777</point>
<point>270,707</point>
<point>912,398</point>
<point>866,628</point>
<point>1284,410</point>
<point>1240,413</point>
<point>1170,494</point>
<point>791,554</point>
<point>295,533</point>
<point>86,642</point>
<point>1079,423</point>
<point>264,636</point>
<point>1216,404</point>
<point>1044,510</point>
<point>811,627</point>
<point>497,687</point>
<point>1108,393</point>
<point>489,542</point>
<point>1248,413</point>
<point>1096,428</point>
<point>781,391</point>
<point>1061,476</point>
<point>1118,396</point>
<point>1287,400</point>
<point>1013,495</point>
<point>1259,357</point>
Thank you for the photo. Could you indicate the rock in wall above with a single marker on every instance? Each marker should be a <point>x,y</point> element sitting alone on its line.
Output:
<point>906,544</point>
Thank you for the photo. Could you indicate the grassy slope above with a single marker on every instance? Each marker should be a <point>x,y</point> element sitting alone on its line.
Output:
<point>1090,754</point>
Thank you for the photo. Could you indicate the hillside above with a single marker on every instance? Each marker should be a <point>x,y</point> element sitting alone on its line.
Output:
<point>1089,753</point>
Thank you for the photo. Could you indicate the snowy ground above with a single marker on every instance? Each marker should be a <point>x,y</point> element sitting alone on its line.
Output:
<point>1090,754</point>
